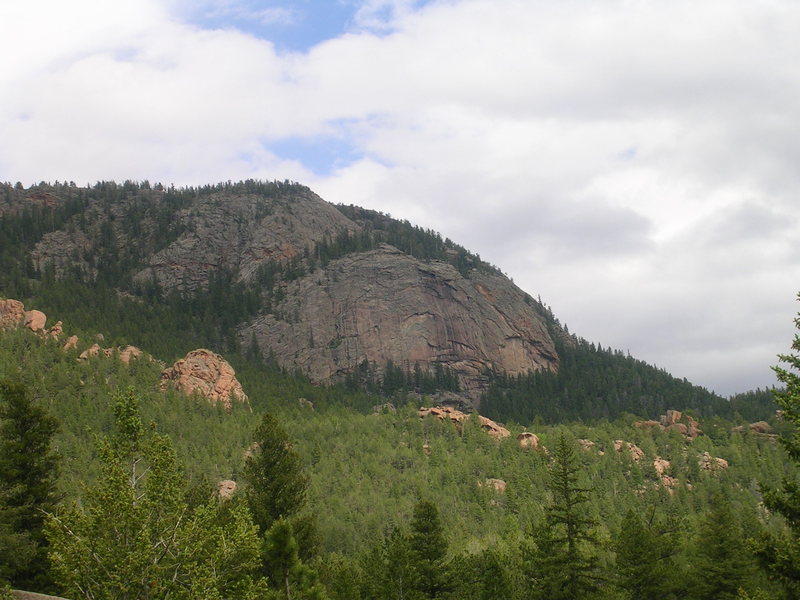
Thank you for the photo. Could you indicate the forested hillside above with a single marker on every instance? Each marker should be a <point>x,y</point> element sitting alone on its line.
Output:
<point>369,470</point>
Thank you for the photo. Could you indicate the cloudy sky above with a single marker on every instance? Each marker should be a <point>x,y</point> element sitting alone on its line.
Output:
<point>632,162</point>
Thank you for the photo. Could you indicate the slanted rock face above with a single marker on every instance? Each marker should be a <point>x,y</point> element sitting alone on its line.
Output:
<point>712,463</point>
<point>384,305</point>
<point>206,373</point>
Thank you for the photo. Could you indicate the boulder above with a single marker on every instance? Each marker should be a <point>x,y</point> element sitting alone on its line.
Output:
<point>207,374</point>
<point>90,352</point>
<point>495,430</point>
<point>35,320</point>
<point>128,353</point>
<point>498,485</point>
<point>226,489</point>
<point>528,440</point>
<point>56,330</point>
<point>762,427</point>
<point>12,313</point>
<point>72,342</point>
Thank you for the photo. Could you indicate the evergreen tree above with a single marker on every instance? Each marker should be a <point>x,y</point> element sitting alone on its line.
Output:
<point>273,473</point>
<point>429,550</point>
<point>779,555</point>
<point>28,474</point>
<point>389,570</point>
<point>289,574</point>
<point>644,564</point>
<point>562,564</point>
<point>721,566</point>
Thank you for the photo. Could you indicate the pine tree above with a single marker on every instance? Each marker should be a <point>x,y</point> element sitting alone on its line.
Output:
<point>429,550</point>
<point>562,563</point>
<point>644,565</point>
<point>273,473</point>
<point>28,474</point>
<point>779,555</point>
<point>721,565</point>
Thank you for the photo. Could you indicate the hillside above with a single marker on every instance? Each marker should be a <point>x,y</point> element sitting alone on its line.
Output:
<point>338,294</point>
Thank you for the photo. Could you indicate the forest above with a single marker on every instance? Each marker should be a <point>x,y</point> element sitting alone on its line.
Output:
<point>110,485</point>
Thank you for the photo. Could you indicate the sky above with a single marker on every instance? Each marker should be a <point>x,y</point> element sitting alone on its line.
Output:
<point>633,163</point>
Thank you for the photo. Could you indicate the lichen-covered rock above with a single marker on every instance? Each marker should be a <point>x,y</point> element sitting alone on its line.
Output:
<point>206,373</point>
<point>384,305</point>
<point>456,416</point>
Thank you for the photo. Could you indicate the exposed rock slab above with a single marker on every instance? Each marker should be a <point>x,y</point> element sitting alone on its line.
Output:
<point>206,373</point>
<point>384,305</point>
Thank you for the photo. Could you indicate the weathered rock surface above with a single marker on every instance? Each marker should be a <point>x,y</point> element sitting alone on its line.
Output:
<point>674,420</point>
<point>495,430</point>
<point>384,305</point>
<point>241,233</point>
<point>226,489</point>
<point>528,440</point>
<point>635,452</point>
<point>712,463</point>
<point>206,373</point>
<point>12,313</point>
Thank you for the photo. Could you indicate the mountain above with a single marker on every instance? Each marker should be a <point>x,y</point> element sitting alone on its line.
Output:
<point>324,294</point>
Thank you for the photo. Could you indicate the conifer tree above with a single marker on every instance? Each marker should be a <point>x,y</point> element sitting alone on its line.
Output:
<point>28,474</point>
<point>721,563</point>
<point>429,550</point>
<point>562,564</point>
<point>779,555</point>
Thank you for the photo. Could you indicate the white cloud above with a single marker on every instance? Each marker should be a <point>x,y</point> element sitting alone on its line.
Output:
<point>634,162</point>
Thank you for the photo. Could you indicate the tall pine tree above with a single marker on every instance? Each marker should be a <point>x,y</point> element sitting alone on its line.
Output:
<point>28,474</point>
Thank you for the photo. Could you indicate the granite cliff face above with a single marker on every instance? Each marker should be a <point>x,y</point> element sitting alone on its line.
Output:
<point>384,305</point>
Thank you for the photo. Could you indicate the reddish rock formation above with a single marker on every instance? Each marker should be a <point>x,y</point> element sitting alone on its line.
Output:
<point>206,373</point>
<point>456,416</point>
<point>528,440</point>
<point>128,353</point>
<point>56,330</point>
<point>226,489</point>
<point>12,313</point>
<point>35,320</point>
<point>636,453</point>
<point>661,465</point>
<point>674,420</point>
<point>712,463</point>
<point>71,343</point>
<point>90,352</point>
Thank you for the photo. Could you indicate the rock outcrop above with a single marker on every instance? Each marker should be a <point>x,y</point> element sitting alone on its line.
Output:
<point>495,430</point>
<point>674,420</point>
<point>12,313</point>
<point>712,463</point>
<point>207,374</point>
<point>498,485</point>
<point>384,305</point>
<point>635,452</point>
